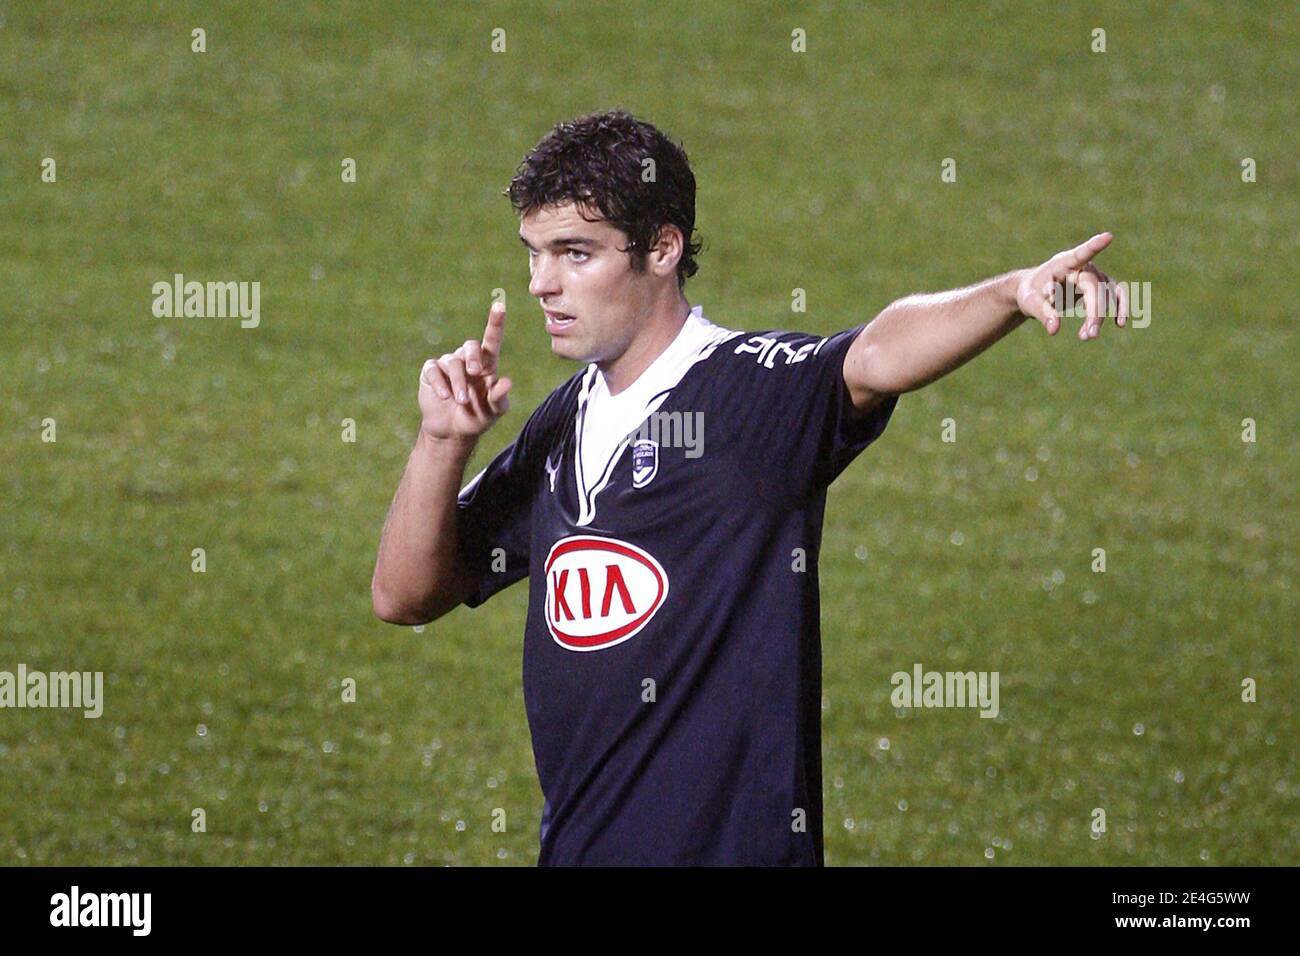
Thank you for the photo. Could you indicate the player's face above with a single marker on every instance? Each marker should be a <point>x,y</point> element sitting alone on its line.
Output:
<point>578,270</point>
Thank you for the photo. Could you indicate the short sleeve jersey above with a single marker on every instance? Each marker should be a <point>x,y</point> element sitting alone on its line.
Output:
<point>672,649</point>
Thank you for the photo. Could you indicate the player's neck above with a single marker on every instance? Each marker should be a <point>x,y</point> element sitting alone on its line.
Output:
<point>659,332</point>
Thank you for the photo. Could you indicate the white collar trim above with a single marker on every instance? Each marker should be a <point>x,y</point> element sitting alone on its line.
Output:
<point>604,421</point>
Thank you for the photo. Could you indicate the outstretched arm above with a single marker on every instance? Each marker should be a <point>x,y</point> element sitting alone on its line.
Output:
<point>921,338</point>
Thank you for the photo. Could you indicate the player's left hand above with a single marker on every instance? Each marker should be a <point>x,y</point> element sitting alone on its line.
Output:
<point>1066,272</point>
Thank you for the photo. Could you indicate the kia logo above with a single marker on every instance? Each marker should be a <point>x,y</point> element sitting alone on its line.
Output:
<point>600,591</point>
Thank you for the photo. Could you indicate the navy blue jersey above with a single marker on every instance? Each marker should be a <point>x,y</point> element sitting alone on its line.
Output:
<point>672,651</point>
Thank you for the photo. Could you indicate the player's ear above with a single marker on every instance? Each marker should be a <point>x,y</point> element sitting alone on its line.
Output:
<point>666,251</point>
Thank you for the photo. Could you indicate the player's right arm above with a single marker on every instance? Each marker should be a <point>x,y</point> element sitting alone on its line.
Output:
<point>419,575</point>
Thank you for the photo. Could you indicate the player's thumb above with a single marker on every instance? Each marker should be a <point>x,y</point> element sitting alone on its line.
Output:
<point>499,395</point>
<point>424,373</point>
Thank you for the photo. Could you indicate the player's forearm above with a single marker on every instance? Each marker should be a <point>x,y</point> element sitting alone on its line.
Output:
<point>921,338</point>
<point>417,571</point>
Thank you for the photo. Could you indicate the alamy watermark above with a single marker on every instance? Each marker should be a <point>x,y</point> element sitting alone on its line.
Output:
<point>922,688</point>
<point>75,908</point>
<point>1066,298</point>
<point>208,300</point>
<point>672,430</point>
<point>79,690</point>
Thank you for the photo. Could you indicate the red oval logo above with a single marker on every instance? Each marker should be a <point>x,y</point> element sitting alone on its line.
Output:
<point>600,591</point>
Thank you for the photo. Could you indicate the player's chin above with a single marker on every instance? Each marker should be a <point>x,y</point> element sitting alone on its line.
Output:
<point>568,349</point>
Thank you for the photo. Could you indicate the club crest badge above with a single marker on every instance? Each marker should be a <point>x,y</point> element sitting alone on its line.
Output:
<point>645,462</point>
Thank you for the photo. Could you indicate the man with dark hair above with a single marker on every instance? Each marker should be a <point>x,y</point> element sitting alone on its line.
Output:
<point>672,649</point>
<point>638,179</point>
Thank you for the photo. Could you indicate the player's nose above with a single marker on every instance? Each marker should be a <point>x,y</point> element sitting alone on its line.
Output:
<point>543,283</point>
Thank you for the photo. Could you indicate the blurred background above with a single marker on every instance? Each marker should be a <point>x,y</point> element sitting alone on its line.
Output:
<point>818,170</point>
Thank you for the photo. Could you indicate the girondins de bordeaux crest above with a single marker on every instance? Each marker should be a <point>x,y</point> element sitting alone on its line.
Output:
<point>645,462</point>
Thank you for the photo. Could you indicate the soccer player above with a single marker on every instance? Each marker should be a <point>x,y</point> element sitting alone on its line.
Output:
<point>666,505</point>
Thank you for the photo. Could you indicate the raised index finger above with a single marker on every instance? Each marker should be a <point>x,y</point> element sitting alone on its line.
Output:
<point>494,333</point>
<point>1081,254</point>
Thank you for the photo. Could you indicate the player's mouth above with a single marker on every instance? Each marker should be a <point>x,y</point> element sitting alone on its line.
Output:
<point>557,323</point>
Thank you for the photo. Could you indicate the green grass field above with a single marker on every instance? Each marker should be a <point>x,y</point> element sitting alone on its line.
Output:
<point>818,170</point>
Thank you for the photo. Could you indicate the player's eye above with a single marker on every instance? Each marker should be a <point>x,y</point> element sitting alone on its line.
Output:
<point>579,252</point>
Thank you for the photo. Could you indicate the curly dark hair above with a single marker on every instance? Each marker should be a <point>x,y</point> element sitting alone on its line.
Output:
<point>598,161</point>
